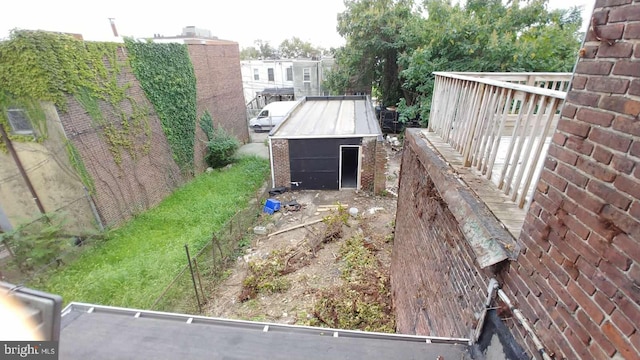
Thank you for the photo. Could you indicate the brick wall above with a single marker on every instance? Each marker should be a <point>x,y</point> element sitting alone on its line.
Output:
<point>380,171</point>
<point>122,191</point>
<point>436,283</point>
<point>368,164</point>
<point>577,279</point>
<point>579,275</point>
<point>219,90</point>
<point>280,159</point>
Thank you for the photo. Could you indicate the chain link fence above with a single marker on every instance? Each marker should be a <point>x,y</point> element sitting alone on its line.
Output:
<point>204,268</point>
<point>46,234</point>
<point>40,246</point>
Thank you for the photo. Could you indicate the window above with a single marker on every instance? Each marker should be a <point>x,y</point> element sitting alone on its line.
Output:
<point>256,74</point>
<point>289,73</point>
<point>270,74</point>
<point>306,74</point>
<point>19,122</point>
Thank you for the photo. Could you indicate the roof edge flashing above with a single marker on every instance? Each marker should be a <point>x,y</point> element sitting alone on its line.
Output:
<point>273,327</point>
<point>489,240</point>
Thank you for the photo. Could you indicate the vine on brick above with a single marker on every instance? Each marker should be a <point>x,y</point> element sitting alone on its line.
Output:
<point>42,66</point>
<point>168,79</point>
<point>79,167</point>
<point>206,124</point>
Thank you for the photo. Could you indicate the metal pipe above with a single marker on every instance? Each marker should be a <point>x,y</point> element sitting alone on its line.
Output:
<point>112,21</point>
<point>491,292</point>
<point>193,278</point>
<point>94,209</point>
<point>15,157</point>
<point>525,323</point>
<point>273,176</point>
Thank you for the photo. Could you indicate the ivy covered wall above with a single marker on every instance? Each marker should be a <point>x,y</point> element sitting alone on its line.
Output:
<point>115,140</point>
<point>143,172</point>
<point>129,112</point>
<point>166,75</point>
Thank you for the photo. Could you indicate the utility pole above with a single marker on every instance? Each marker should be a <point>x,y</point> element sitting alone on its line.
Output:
<point>14,155</point>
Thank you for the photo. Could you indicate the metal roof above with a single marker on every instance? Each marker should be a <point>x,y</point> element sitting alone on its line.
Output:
<point>102,332</point>
<point>330,116</point>
<point>277,91</point>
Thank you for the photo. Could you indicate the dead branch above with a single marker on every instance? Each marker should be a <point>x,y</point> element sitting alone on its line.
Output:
<point>294,227</point>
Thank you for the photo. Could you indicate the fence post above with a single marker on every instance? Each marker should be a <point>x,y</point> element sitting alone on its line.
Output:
<point>195,263</point>
<point>193,278</point>
<point>213,253</point>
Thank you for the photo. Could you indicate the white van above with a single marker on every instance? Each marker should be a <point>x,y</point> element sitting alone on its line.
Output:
<point>271,115</point>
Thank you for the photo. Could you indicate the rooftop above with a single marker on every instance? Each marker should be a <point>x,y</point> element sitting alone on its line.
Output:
<point>101,332</point>
<point>330,116</point>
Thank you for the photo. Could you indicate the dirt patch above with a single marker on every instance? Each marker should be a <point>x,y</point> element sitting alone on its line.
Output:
<point>306,275</point>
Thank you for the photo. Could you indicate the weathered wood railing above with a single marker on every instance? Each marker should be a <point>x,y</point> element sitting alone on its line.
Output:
<point>499,122</point>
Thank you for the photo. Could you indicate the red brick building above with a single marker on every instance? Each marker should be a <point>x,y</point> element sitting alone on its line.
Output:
<point>576,279</point>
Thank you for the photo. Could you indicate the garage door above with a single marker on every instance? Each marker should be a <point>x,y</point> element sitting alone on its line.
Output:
<point>315,163</point>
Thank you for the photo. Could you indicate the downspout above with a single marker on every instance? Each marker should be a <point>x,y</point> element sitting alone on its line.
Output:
<point>525,324</point>
<point>94,209</point>
<point>15,157</point>
<point>491,291</point>
<point>273,176</point>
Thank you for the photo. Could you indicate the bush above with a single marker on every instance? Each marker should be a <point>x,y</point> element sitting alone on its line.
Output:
<point>37,243</point>
<point>220,148</point>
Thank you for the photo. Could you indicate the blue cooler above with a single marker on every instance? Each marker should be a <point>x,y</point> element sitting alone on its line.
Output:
<point>271,206</point>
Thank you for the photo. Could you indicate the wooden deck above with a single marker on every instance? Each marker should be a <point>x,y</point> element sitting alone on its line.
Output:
<point>501,119</point>
<point>494,130</point>
<point>505,209</point>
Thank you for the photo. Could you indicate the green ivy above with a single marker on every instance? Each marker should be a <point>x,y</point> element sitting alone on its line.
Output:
<point>42,66</point>
<point>167,77</point>
<point>221,148</point>
<point>78,165</point>
<point>206,123</point>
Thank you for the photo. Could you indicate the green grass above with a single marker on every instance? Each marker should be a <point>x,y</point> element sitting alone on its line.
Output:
<point>138,260</point>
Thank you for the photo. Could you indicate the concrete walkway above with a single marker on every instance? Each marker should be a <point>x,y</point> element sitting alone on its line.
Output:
<point>258,149</point>
<point>257,146</point>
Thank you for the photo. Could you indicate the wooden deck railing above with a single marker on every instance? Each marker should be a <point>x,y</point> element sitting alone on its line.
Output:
<point>499,122</point>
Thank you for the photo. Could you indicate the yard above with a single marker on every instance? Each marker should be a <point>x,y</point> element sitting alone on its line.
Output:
<point>318,265</point>
<point>135,262</point>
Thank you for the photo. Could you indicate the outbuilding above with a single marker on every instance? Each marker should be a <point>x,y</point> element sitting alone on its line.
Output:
<point>329,143</point>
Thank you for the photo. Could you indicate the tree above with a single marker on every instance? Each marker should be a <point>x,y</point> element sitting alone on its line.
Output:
<point>485,36</point>
<point>373,31</point>
<point>249,53</point>
<point>266,50</point>
<point>295,48</point>
<point>345,75</point>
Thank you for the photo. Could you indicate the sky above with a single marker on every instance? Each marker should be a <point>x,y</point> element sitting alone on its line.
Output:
<point>242,21</point>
